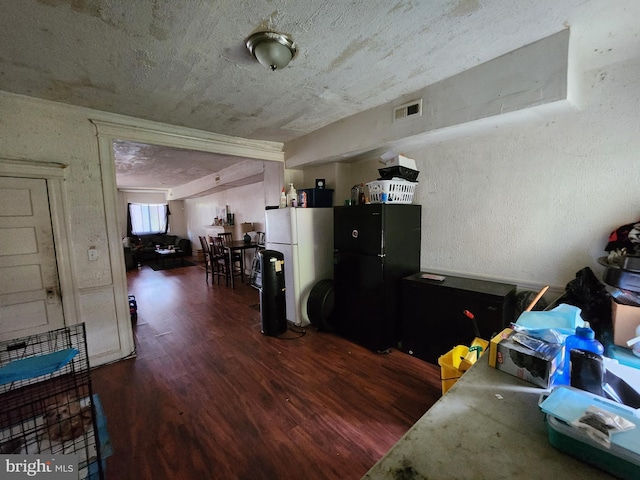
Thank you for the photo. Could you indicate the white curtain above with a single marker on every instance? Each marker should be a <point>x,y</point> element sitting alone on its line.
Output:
<point>148,218</point>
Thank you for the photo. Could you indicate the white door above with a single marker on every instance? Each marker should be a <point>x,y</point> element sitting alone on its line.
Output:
<point>29,290</point>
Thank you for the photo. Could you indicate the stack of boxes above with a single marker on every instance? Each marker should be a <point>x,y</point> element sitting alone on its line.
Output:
<point>397,181</point>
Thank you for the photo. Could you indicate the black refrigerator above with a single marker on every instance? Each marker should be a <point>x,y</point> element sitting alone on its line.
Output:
<point>375,247</point>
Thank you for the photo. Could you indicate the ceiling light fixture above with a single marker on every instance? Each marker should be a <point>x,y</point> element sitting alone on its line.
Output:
<point>272,49</point>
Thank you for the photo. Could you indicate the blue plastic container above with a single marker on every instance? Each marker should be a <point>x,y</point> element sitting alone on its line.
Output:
<point>566,404</point>
<point>583,339</point>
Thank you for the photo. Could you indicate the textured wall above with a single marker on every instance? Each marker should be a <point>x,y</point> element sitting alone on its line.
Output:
<point>535,204</point>
<point>246,203</point>
<point>47,132</point>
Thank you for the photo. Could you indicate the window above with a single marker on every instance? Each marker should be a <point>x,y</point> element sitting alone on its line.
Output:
<point>148,219</point>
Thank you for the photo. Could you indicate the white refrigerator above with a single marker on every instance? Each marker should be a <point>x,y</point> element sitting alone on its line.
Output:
<point>305,237</point>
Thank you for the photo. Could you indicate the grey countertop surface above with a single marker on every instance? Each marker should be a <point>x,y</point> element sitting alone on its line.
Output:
<point>488,425</point>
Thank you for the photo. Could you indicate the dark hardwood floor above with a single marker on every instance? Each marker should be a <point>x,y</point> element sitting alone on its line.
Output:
<point>209,397</point>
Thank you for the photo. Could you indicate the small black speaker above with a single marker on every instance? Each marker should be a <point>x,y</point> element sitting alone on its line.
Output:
<point>320,183</point>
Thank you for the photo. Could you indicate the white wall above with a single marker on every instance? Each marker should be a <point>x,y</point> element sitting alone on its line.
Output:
<point>536,204</point>
<point>531,204</point>
<point>247,203</point>
<point>40,131</point>
<point>341,177</point>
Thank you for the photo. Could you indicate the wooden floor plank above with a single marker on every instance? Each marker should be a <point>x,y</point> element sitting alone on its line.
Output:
<point>209,396</point>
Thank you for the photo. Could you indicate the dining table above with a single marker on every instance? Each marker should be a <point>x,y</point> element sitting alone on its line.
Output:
<point>239,246</point>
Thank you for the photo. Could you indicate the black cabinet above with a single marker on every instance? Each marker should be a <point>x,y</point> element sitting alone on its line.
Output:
<point>433,313</point>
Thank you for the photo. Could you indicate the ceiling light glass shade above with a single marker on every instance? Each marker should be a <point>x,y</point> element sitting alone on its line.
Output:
<point>271,49</point>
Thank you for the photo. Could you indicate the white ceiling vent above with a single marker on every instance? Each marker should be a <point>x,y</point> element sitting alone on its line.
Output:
<point>408,110</point>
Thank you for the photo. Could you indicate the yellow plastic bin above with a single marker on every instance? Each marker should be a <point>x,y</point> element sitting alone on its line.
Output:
<point>450,366</point>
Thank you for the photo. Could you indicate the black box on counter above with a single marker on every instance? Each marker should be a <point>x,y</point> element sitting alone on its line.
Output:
<point>315,197</point>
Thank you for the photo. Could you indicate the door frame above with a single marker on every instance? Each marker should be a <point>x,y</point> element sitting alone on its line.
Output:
<point>54,175</point>
<point>107,132</point>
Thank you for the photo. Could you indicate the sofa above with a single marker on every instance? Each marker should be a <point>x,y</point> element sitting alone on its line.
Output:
<point>143,247</point>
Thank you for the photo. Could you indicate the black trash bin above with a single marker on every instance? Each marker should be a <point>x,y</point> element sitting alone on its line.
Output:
<point>273,310</point>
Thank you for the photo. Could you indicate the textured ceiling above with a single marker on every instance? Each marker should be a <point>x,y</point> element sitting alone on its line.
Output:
<point>185,63</point>
<point>163,167</point>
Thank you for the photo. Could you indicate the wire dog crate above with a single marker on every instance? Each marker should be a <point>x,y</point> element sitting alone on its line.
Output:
<point>47,405</point>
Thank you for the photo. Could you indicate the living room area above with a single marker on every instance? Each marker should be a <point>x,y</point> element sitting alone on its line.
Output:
<point>153,226</point>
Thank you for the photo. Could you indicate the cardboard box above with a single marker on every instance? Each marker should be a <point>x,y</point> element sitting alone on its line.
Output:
<point>401,161</point>
<point>625,319</point>
<point>536,363</point>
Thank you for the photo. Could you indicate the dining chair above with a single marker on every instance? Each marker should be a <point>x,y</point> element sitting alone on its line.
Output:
<point>206,252</point>
<point>237,258</point>
<point>220,266</point>
<point>227,237</point>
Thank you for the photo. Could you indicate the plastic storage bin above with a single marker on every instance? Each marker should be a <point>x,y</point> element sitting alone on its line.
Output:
<point>449,363</point>
<point>617,461</point>
<point>391,191</point>
<point>566,404</point>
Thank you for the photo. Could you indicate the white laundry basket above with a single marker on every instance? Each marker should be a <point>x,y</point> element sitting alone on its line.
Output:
<point>391,191</point>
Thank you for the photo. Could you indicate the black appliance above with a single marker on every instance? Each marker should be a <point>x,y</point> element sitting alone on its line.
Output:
<point>438,315</point>
<point>273,308</point>
<point>375,246</point>
<point>625,276</point>
<point>315,197</point>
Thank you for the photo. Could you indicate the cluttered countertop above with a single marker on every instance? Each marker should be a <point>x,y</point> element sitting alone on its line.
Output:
<point>550,399</point>
<point>488,425</point>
